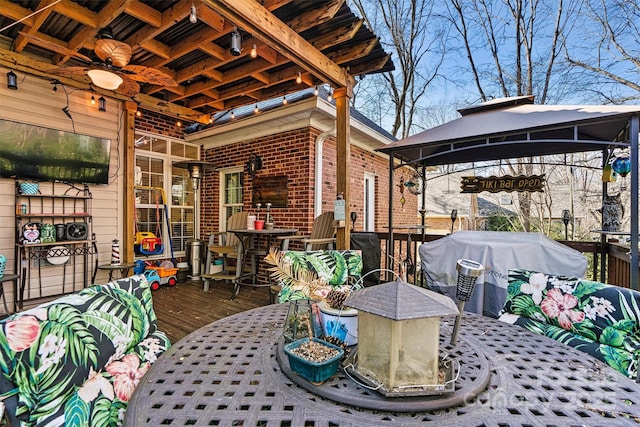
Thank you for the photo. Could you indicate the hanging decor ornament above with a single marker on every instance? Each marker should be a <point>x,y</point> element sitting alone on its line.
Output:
<point>414,184</point>
<point>622,166</point>
<point>401,186</point>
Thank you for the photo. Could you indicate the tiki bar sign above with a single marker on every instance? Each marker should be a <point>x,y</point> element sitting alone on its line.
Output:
<point>495,184</point>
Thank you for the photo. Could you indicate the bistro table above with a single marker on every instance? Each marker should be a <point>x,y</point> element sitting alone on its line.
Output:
<point>228,373</point>
<point>255,245</point>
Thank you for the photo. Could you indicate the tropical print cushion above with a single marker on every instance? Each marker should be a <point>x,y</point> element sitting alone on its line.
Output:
<point>599,319</point>
<point>330,269</point>
<point>75,361</point>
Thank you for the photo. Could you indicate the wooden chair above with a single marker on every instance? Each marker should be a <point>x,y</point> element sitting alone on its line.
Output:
<point>225,245</point>
<point>322,235</point>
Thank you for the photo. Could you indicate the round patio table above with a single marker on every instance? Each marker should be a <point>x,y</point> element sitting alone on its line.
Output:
<point>227,373</point>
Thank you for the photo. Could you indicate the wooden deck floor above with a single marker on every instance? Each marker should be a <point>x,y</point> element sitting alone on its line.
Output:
<point>186,307</point>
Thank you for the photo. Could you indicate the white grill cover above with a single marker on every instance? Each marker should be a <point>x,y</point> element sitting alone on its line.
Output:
<point>498,252</point>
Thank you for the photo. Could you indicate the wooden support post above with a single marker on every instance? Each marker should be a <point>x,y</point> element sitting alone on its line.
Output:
<point>128,202</point>
<point>343,161</point>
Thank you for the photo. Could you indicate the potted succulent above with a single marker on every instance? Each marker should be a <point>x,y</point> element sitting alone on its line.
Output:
<point>313,359</point>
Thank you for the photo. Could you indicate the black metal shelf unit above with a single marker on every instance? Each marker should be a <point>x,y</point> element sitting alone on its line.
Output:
<point>54,240</point>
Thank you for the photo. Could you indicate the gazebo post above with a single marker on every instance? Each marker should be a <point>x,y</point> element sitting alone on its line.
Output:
<point>634,129</point>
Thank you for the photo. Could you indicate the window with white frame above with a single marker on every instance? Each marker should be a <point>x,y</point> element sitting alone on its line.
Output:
<point>165,216</point>
<point>231,193</point>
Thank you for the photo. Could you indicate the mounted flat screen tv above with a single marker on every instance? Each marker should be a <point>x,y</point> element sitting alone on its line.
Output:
<point>41,154</point>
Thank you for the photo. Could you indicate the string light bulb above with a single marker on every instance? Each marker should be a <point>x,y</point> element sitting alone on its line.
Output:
<point>179,123</point>
<point>315,91</point>
<point>284,100</point>
<point>138,113</point>
<point>299,78</point>
<point>254,51</point>
<point>329,97</point>
<point>255,109</point>
<point>210,119</point>
<point>93,99</point>
<point>193,16</point>
<point>233,115</point>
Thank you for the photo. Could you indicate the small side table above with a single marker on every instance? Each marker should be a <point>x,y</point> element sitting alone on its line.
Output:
<point>122,267</point>
<point>9,278</point>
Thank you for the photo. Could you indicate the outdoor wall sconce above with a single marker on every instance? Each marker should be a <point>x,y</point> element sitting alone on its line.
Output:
<point>195,168</point>
<point>12,80</point>
<point>102,104</point>
<point>254,164</point>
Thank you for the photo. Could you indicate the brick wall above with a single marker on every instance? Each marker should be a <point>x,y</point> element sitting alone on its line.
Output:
<point>292,153</point>
<point>157,123</point>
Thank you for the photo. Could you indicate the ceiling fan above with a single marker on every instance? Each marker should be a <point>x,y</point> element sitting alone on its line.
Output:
<point>112,71</point>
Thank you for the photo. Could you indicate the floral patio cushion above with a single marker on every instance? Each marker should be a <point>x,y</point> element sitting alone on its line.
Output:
<point>599,319</point>
<point>75,361</point>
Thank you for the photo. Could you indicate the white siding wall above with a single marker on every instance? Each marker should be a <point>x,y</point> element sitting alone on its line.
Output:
<point>35,103</point>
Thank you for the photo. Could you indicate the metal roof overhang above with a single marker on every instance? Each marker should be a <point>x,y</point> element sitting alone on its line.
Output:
<point>515,128</point>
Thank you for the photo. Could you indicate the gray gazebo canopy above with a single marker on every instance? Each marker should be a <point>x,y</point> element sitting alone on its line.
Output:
<point>513,128</point>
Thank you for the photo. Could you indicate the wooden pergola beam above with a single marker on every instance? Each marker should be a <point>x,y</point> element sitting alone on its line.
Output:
<point>263,25</point>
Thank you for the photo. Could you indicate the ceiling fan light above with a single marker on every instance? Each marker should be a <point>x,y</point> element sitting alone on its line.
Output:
<point>105,79</point>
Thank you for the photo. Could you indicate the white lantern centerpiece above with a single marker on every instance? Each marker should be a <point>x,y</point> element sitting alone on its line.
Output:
<point>399,338</point>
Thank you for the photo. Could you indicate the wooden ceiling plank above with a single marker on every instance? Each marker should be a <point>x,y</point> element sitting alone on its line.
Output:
<point>16,12</point>
<point>213,50</point>
<point>315,17</point>
<point>261,77</point>
<point>272,5</point>
<point>210,17</point>
<point>52,44</point>
<point>157,48</point>
<point>340,35</point>
<point>263,25</point>
<point>169,17</point>
<point>21,41</point>
<point>198,69</point>
<point>267,53</point>
<point>353,52</point>
<point>77,13</point>
<point>145,13</point>
<point>370,66</point>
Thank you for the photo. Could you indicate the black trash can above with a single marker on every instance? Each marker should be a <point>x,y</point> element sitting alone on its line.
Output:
<point>369,244</point>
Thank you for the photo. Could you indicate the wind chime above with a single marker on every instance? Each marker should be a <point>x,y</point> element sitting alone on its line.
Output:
<point>401,185</point>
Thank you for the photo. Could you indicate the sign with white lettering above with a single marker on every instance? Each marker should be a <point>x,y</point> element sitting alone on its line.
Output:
<point>496,184</point>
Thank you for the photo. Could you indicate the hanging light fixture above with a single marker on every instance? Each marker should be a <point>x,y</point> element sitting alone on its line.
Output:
<point>299,78</point>
<point>254,51</point>
<point>193,16</point>
<point>102,104</point>
<point>12,80</point>
<point>105,79</point>
<point>236,43</point>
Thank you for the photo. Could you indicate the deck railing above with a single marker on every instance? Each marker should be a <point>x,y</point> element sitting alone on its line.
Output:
<point>616,260</point>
